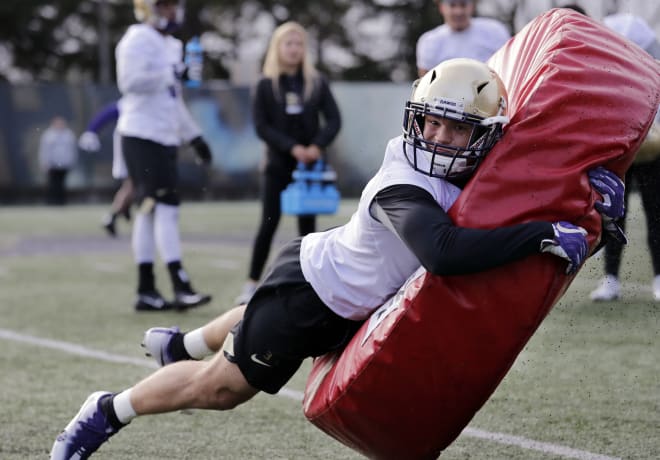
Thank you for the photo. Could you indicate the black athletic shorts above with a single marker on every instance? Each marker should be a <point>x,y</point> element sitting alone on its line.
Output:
<point>153,169</point>
<point>284,323</point>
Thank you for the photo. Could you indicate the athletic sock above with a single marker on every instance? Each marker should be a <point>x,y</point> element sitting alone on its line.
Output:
<point>177,348</point>
<point>108,409</point>
<point>195,344</point>
<point>179,277</point>
<point>122,408</point>
<point>146,280</point>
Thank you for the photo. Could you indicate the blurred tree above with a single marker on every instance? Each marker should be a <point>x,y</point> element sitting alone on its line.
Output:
<point>353,39</point>
<point>48,40</point>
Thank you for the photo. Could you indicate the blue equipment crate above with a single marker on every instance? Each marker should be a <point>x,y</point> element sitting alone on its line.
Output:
<point>312,191</point>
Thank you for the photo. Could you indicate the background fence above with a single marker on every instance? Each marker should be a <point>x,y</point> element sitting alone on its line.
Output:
<point>371,114</point>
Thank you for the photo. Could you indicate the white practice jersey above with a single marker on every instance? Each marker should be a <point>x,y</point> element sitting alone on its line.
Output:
<point>152,103</point>
<point>358,266</point>
<point>635,29</point>
<point>519,13</point>
<point>479,41</point>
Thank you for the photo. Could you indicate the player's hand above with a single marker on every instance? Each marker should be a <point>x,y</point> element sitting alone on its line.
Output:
<point>89,142</point>
<point>299,152</point>
<point>569,243</point>
<point>612,207</point>
<point>180,71</point>
<point>202,150</point>
<point>612,190</point>
<point>313,153</point>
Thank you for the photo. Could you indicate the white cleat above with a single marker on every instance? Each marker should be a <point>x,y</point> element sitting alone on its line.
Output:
<point>608,290</point>
<point>656,288</point>
<point>85,432</point>
<point>157,342</point>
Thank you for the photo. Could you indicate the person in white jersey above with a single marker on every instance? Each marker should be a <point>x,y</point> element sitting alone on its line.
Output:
<point>322,286</point>
<point>89,141</point>
<point>153,122</point>
<point>516,14</point>
<point>645,172</point>
<point>461,35</point>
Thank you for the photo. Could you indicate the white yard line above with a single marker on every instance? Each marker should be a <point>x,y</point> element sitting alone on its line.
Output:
<point>530,444</point>
<point>518,441</point>
<point>74,349</point>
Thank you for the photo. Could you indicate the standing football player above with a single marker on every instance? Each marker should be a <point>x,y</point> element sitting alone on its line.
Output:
<point>153,122</point>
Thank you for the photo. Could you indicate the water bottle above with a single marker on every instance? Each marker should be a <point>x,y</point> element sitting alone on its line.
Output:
<point>195,62</point>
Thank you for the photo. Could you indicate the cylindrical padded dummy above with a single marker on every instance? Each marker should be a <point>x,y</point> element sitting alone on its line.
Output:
<point>415,374</point>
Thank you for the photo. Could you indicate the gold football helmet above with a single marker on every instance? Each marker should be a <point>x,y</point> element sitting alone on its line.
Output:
<point>463,90</point>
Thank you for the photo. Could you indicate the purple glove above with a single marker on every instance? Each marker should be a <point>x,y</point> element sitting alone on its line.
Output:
<point>612,208</point>
<point>612,189</point>
<point>569,243</point>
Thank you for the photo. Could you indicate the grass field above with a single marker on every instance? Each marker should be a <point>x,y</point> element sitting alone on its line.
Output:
<point>587,386</point>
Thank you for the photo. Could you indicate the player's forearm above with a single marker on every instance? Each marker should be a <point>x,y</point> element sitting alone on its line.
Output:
<point>457,250</point>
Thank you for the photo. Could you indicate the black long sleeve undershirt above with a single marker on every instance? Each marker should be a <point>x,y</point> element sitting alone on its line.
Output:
<point>442,247</point>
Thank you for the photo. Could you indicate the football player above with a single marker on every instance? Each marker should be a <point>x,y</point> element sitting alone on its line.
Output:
<point>645,171</point>
<point>153,122</point>
<point>322,286</point>
<point>89,141</point>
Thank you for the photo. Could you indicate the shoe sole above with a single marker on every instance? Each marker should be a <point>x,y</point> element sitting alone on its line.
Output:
<point>182,306</point>
<point>148,353</point>
<point>111,232</point>
<point>603,300</point>
<point>149,308</point>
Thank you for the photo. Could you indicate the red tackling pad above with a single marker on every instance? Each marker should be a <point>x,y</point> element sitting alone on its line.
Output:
<point>415,374</point>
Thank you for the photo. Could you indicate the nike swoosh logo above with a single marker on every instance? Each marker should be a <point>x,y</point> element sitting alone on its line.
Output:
<point>256,359</point>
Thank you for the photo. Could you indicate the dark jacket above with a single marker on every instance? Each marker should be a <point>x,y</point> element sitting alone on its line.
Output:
<point>281,132</point>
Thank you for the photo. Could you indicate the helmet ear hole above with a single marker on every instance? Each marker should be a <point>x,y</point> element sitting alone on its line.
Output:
<point>433,75</point>
<point>477,134</point>
<point>419,119</point>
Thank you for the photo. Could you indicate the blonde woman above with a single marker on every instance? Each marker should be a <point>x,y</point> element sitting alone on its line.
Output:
<point>297,117</point>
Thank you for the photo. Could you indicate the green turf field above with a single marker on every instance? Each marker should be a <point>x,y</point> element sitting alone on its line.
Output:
<point>587,386</point>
